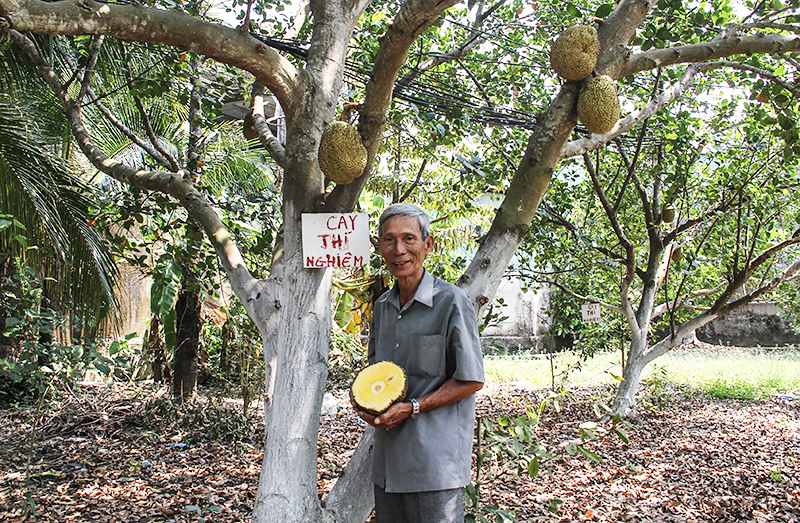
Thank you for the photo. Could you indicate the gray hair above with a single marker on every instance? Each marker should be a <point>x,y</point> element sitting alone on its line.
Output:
<point>407,209</point>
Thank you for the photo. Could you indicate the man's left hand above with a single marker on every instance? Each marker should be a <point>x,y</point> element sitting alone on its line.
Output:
<point>393,417</point>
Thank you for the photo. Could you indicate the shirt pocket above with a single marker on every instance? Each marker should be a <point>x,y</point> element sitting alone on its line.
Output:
<point>428,356</point>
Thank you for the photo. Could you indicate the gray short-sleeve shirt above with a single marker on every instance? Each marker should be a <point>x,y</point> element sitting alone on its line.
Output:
<point>434,337</point>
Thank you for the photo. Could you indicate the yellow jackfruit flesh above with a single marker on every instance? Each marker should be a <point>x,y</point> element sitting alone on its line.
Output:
<point>574,53</point>
<point>342,156</point>
<point>598,106</point>
<point>379,386</point>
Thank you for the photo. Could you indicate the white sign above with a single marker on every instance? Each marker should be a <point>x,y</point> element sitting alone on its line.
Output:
<point>590,312</point>
<point>335,240</point>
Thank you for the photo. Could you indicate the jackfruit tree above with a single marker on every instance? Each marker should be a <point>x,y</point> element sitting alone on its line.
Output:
<point>679,265</point>
<point>392,60</point>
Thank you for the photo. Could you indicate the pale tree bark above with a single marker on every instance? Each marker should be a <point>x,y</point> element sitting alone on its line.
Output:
<point>641,354</point>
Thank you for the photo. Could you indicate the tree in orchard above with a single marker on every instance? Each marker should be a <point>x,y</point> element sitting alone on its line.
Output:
<point>292,307</point>
<point>695,218</point>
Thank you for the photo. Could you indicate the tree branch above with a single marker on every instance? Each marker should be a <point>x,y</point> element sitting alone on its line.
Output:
<point>675,91</point>
<point>414,17</point>
<point>688,327</point>
<point>612,216</point>
<point>88,71</point>
<point>715,49</point>
<point>106,112</point>
<point>170,183</point>
<point>415,184</point>
<point>581,297</point>
<point>454,54</point>
<point>720,207</point>
<point>268,140</point>
<point>148,127</point>
<point>630,253</point>
<point>143,24</point>
<point>680,301</point>
<point>757,70</point>
<point>721,305</point>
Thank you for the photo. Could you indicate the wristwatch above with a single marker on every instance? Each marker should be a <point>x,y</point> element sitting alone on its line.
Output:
<point>414,408</point>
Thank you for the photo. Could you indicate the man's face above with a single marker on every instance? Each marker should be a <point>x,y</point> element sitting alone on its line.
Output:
<point>402,246</point>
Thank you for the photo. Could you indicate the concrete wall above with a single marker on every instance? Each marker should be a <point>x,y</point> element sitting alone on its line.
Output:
<point>526,324</point>
<point>759,324</point>
<point>526,328</point>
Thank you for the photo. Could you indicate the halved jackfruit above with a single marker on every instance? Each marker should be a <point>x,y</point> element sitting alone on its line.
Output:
<point>379,386</point>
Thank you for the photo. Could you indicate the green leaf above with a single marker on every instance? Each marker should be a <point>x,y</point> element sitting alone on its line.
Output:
<point>622,435</point>
<point>604,10</point>
<point>588,453</point>
<point>533,467</point>
<point>169,321</point>
<point>573,10</point>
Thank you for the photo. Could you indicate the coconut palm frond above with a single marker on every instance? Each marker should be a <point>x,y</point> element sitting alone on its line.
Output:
<point>39,191</point>
<point>233,161</point>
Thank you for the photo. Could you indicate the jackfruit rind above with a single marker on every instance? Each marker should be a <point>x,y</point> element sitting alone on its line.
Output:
<point>598,105</point>
<point>342,156</point>
<point>379,386</point>
<point>668,213</point>
<point>574,53</point>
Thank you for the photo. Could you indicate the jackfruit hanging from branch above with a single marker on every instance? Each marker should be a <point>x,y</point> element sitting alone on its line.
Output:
<point>342,157</point>
<point>574,53</point>
<point>598,105</point>
<point>379,386</point>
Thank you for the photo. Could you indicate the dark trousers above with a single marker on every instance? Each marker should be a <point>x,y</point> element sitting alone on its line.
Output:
<point>437,506</point>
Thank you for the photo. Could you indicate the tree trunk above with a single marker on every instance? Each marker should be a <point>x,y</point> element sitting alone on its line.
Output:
<point>187,341</point>
<point>155,351</point>
<point>296,374</point>
<point>228,335</point>
<point>352,498</point>
<point>625,402</point>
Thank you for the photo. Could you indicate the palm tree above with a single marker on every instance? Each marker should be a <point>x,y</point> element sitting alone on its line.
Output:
<point>40,191</point>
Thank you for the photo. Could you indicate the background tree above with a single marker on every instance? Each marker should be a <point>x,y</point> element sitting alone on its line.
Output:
<point>681,229</point>
<point>40,190</point>
<point>56,272</point>
<point>292,306</point>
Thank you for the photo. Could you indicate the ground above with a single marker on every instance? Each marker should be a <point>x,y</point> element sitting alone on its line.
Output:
<point>105,455</point>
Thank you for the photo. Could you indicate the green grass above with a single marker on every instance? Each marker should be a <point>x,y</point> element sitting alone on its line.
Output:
<point>725,372</point>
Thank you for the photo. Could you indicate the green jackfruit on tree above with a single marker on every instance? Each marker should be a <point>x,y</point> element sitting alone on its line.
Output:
<point>598,105</point>
<point>342,156</point>
<point>574,53</point>
<point>668,213</point>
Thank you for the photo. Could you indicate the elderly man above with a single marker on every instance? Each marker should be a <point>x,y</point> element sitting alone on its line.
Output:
<point>423,446</point>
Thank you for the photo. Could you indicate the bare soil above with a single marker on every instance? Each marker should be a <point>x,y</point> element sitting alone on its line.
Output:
<point>105,455</point>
